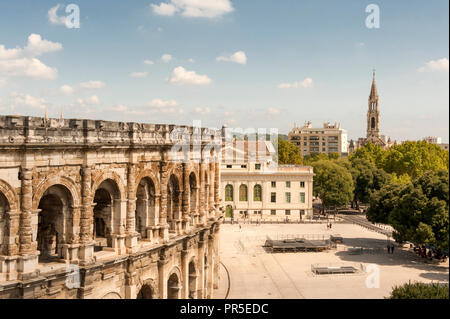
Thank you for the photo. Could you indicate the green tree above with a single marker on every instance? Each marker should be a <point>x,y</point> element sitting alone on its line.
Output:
<point>370,152</point>
<point>383,202</point>
<point>333,184</point>
<point>414,159</point>
<point>288,153</point>
<point>420,290</point>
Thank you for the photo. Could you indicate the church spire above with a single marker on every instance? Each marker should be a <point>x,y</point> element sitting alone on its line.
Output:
<point>373,90</point>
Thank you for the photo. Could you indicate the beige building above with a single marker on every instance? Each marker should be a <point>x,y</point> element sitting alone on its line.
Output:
<point>257,188</point>
<point>437,141</point>
<point>328,139</point>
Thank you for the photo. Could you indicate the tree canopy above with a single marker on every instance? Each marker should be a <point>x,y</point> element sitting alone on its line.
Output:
<point>288,153</point>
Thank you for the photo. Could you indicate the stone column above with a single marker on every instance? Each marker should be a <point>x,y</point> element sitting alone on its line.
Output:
<point>162,274</point>
<point>186,198</point>
<point>217,258</point>
<point>86,251</point>
<point>132,237</point>
<point>130,280</point>
<point>164,178</point>
<point>217,187</point>
<point>201,289</point>
<point>28,248</point>
<point>211,257</point>
<point>8,262</point>
<point>202,204</point>
<point>184,274</point>
<point>211,198</point>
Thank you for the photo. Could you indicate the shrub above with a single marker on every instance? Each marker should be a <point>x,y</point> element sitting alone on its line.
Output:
<point>420,290</point>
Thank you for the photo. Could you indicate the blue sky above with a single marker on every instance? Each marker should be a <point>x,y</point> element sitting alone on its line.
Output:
<point>262,63</point>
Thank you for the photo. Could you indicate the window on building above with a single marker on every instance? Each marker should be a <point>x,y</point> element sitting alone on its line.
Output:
<point>255,212</point>
<point>229,193</point>
<point>243,191</point>
<point>288,197</point>
<point>288,184</point>
<point>287,212</point>
<point>274,184</point>
<point>229,166</point>
<point>273,212</point>
<point>302,184</point>
<point>257,193</point>
<point>302,197</point>
<point>302,212</point>
<point>243,166</point>
<point>273,197</point>
<point>257,167</point>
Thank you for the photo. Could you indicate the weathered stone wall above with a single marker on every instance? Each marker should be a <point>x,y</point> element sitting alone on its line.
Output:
<point>61,179</point>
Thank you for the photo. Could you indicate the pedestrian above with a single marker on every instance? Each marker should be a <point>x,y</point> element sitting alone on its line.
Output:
<point>392,248</point>
<point>388,248</point>
<point>330,225</point>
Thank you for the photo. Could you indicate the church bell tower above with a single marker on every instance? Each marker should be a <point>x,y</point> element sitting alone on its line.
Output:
<point>373,114</point>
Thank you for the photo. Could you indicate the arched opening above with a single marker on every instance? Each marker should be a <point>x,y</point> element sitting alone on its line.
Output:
<point>193,192</point>
<point>173,203</point>
<point>107,205</point>
<point>53,222</point>
<point>257,193</point>
<point>4,209</point>
<point>372,122</point>
<point>145,206</point>
<point>192,281</point>
<point>243,193</point>
<point>145,292</point>
<point>173,287</point>
<point>229,193</point>
<point>229,211</point>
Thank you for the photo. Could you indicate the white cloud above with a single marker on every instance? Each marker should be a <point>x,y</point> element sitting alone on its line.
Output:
<point>202,111</point>
<point>166,58</point>
<point>66,89</point>
<point>93,100</point>
<point>125,110</point>
<point>139,74</point>
<point>182,76</point>
<point>21,99</point>
<point>238,57</point>
<point>158,103</point>
<point>53,17</point>
<point>149,62</point>
<point>191,60</point>
<point>440,65</point>
<point>194,8</point>
<point>22,62</point>
<point>92,85</point>
<point>273,111</point>
<point>306,83</point>
<point>164,9</point>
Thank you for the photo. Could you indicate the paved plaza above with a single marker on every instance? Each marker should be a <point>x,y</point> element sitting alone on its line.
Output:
<point>255,273</point>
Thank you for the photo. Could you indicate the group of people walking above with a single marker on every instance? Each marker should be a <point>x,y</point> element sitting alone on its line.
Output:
<point>390,248</point>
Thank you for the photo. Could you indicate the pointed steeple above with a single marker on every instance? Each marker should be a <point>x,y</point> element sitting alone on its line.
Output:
<point>373,90</point>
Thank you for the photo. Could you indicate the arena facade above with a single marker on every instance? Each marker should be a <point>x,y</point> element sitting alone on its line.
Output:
<point>98,209</point>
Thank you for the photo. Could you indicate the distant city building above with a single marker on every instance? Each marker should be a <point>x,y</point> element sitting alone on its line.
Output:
<point>328,139</point>
<point>373,124</point>
<point>252,186</point>
<point>437,141</point>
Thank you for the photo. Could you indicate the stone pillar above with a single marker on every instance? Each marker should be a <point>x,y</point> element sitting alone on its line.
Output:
<point>130,280</point>
<point>211,197</point>
<point>86,251</point>
<point>217,187</point>
<point>8,257</point>
<point>28,248</point>
<point>162,274</point>
<point>132,236</point>
<point>185,274</point>
<point>201,289</point>
<point>186,198</point>
<point>211,257</point>
<point>164,178</point>
<point>217,258</point>
<point>202,203</point>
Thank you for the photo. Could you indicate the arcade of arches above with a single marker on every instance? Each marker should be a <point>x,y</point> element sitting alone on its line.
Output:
<point>135,223</point>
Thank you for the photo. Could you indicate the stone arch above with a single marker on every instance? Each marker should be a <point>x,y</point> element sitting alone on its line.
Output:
<point>56,223</point>
<point>112,295</point>
<point>103,175</point>
<point>146,214</point>
<point>193,273</point>
<point>174,284</point>
<point>193,190</point>
<point>150,174</point>
<point>57,180</point>
<point>10,195</point>
<point>173,202</point>
<point>147,290</point>
<point>108,204</point>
